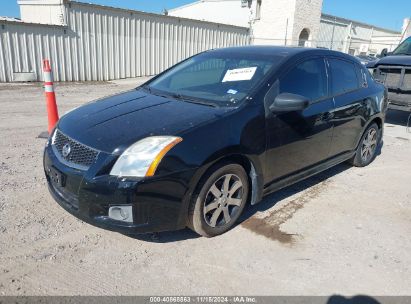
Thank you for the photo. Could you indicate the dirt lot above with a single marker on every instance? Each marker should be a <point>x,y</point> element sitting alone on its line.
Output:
<point>346,231</point>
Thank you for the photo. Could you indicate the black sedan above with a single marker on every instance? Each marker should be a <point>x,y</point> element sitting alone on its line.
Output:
<point>197,143</point>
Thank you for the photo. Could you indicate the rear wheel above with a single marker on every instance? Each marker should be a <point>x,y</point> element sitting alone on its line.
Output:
<point>219,201</point>
<point>367,149</point>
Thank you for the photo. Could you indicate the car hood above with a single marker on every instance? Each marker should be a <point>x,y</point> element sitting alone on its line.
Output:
<point>401,60</point>
<point>114,123</point>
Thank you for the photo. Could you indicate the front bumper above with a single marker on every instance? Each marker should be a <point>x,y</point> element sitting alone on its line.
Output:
<point>159,204</point>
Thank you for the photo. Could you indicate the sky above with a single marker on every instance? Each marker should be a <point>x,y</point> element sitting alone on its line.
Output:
<point>387,14</point>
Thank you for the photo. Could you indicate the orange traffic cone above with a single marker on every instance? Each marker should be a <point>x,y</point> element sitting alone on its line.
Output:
<point>52,112</point>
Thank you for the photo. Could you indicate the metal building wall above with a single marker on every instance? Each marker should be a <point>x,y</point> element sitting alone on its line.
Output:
<point>332,34</point>
<point>343,35</point>
<point>103,43</point>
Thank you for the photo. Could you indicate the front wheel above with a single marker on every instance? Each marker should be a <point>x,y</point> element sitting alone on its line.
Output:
<point>367,149</point>
<point>219,200</point>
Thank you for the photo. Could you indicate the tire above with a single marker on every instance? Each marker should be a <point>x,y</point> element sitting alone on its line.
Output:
<point>367,149</point>
<point>219,200</point>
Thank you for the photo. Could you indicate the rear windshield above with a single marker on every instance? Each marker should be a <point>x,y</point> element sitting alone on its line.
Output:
<point>219,78</point>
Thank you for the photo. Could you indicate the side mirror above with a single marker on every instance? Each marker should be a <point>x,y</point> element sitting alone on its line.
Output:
<point>384,53</point>
<point>287,102</point>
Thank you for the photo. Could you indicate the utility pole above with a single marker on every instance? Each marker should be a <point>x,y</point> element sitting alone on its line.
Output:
<point>251,20</point>
<point>286,33</point>
<point>332,37</point>
<point>406,26</point>
<point>349,38</point>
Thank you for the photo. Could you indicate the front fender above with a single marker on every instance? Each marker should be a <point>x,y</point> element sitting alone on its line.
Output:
<point>240,135</point>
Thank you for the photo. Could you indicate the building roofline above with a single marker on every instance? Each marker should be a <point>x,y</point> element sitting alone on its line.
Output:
<point>20,22</point>
<point>194,3</point>
<point>360,23</point>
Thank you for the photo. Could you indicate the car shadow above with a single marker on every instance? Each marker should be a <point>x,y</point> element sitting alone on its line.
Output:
<point>360,299</point>
<point>165,237</point>
<point>272,199</point>
<point>379,148</point>
<point>400,118</point>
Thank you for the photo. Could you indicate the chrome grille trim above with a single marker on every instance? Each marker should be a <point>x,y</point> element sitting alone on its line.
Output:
<point>394,77</point>
<point>81,156</point>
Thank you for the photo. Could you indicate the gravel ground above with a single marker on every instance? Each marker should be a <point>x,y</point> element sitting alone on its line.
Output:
<point>345,231</point>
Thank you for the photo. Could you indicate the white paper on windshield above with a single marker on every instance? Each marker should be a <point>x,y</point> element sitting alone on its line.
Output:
<point>239,74</point>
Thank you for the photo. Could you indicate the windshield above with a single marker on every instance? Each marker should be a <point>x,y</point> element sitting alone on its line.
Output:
<point>216,78</point>
<point>404,48</point>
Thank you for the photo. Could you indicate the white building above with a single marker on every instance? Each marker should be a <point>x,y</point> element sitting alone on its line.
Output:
<point>45,11</point>
<point>295,22</point>
<point>234,12</point>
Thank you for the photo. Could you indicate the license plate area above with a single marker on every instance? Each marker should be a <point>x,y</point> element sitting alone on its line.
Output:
<point>57,177</point>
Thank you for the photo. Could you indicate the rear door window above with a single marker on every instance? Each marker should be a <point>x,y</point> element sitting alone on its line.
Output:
<point>344,76</point>
<point>308,79</point>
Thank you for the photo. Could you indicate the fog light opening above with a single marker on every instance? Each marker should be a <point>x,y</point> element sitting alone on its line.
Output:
<point>121,213</point>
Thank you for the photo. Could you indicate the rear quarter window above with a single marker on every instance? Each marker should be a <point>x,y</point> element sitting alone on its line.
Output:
<point>362,75</point>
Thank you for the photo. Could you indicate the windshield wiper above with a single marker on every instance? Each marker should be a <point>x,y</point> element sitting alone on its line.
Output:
<point>192,100</point>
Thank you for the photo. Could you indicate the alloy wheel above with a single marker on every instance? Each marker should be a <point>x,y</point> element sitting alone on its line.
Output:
<point>223,200</point>
<point>369,145</point>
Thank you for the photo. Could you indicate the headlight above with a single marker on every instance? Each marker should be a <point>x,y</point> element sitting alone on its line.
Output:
<point>142,158</point>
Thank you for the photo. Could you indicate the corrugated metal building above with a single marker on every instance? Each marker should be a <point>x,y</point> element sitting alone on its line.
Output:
<point>104,43</point>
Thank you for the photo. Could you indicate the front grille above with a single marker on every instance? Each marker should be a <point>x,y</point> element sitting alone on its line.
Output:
<point>80,156</point>
<point>394,78</point>
<point>391,77</point>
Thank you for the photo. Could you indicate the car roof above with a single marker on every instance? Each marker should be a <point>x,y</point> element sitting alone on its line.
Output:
<point>283,51</point>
